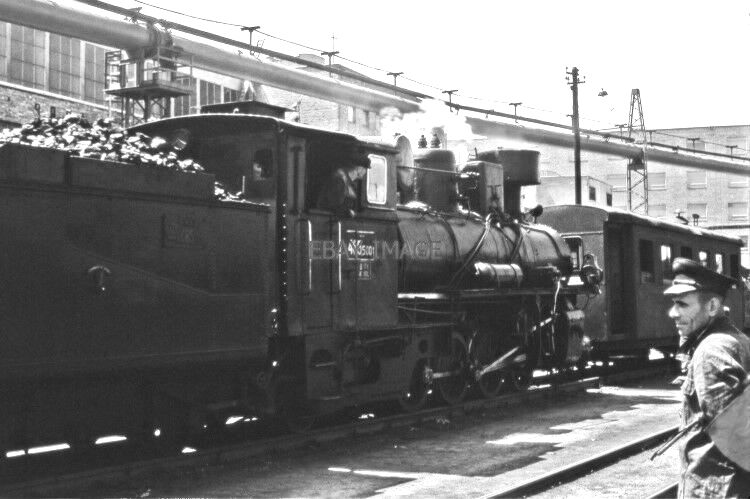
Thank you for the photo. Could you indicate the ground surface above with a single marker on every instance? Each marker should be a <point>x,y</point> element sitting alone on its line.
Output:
<point>469,456</point>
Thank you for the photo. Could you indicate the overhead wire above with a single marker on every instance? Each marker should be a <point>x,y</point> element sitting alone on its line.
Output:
<point>403,77</point>
<point>339,56</point>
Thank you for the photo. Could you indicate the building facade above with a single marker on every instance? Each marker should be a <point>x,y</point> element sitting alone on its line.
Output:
<point>42,72</point>
<point>721,201</point>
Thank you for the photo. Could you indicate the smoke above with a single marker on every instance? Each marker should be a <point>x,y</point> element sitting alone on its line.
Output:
<point>434,117</point>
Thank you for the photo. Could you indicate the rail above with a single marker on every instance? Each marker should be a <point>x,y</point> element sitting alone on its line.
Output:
<point>584,466</point>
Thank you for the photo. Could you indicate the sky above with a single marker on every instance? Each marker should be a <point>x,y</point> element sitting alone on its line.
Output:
<point>688,58</point>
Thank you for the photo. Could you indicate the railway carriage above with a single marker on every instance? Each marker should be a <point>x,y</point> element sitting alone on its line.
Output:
<point>636,253</point>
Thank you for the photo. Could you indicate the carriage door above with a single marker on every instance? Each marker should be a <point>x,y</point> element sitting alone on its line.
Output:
<point>615,278</point>
<point>308,260</point>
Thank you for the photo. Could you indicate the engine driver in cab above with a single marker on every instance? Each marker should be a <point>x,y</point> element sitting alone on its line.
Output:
<point>340,194</point>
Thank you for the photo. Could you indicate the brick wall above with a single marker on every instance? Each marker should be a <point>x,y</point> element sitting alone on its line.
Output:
<point>18,105</point>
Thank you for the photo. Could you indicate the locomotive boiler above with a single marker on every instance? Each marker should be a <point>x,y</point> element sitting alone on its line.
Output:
<point>331,271</point>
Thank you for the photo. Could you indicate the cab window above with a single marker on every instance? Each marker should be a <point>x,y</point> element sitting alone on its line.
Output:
<point>377,180</point>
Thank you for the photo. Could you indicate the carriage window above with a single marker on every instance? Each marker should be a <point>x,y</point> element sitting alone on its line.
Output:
<point>646,254</point>
<point>686,252</point>
<point>719,260</point>
<point>703,258</point>
<point>734,264</point>
<point>377,180</point>
<point>666,263</point>
<point>576,251</point>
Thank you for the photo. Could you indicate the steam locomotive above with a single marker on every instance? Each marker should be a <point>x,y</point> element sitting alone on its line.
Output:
<point>345,271</point>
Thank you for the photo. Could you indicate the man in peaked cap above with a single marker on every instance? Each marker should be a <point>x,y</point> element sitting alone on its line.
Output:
<point>716,362</point>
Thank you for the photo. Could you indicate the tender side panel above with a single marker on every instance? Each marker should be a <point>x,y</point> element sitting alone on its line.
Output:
<point>95,281</point>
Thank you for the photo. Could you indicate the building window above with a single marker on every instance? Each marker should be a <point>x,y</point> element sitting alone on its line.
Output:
<point>620,199</point>
<point>696,179</point>
<point>185,104</point>
<point>646,254</point>
<point>93,84</point>
<point>27,47</point>
<point>231,95</point>
<point>351,115</point>
<point>64,65</point>
<point>666,263</point>
<point>737,212</point>
<point>686,252</point>
<point>210,93</point>
<point>618,182</point>
<point>609,199</point>
<point>696,209</point>
<point>657,181</point>
<point>739,181</point>
<point>592,193</point>
<point>657,211</point>
<point>3,50</point>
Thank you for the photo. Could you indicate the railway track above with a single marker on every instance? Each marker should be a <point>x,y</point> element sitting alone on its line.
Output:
<point>581,468</point>
<point>221,454</point>
<point>667,492</point>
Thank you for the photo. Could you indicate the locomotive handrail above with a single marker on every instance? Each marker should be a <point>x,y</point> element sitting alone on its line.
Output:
<point>473,253</point>
<point>517,246</point>
<point>309,257</point>
<point>339,285</point>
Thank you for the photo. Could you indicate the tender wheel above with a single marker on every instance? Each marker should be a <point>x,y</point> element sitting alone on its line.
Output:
<point>416,394</point>
<point>453,390</point>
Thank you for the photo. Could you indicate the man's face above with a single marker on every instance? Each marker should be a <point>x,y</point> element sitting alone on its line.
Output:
<point>689,314</point>
<point>358,172</point>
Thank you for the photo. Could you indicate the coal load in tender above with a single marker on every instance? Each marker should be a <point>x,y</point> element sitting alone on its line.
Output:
<point>105,141</point>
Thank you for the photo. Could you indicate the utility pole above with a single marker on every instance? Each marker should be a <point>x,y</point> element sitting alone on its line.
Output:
<point>450,98</point>
<point>395,75</point>
<point>573,81</point>
<point>330,57</point>
<point>515,108</point>
<point>250,29</point>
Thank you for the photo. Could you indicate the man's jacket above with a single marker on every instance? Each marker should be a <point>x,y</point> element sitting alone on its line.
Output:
<point>719,361</point>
